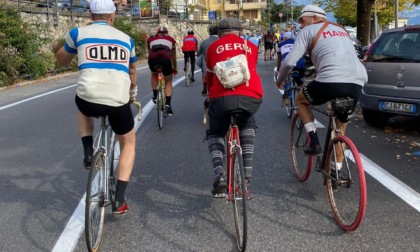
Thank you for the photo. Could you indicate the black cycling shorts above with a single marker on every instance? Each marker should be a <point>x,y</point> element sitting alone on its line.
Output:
<point>268,46</point>
<point>219,113</point>
<point>164,63</point>
<point>120,118</point>
<point>318,93</point>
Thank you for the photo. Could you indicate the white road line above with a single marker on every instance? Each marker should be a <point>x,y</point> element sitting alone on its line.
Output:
<point>35,97</point>
<point>74,228</point>
<point>395,185</point>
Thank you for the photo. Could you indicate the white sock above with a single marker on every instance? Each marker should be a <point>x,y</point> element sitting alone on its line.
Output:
<point>310,126</point>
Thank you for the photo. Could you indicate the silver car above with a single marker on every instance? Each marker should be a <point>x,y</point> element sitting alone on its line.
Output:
<point>393,66</point>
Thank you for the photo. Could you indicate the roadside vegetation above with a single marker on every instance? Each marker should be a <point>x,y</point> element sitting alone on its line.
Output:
<point>24,54</point>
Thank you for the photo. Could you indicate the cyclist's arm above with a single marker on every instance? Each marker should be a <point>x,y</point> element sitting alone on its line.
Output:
<point>63,57</point>
<point>279,58</point>
<point>133,75</point>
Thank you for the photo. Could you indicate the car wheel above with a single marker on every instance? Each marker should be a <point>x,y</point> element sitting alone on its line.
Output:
<point>375,118</point>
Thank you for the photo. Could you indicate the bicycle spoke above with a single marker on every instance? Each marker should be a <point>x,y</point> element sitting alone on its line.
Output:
<point>301,163</point>
<point>239,200</point>
<point>95,199</point>
<point>347,187</point>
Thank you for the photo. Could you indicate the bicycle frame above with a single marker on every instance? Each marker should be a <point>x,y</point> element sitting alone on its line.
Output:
<point>101,143</point>
<point>232,140</point>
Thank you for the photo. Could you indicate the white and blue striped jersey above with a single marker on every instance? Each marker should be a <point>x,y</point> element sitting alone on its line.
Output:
<point>104,54</point>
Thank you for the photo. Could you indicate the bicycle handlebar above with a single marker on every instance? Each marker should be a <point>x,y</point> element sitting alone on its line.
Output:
<point>138,105</point>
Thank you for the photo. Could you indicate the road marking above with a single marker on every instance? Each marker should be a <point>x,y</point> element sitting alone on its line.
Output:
<point>35,97</point>
<point>395,185</point>
<point>74,228</point>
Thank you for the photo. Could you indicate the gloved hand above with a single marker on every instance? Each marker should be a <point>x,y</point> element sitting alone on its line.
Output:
<point>133,95</point>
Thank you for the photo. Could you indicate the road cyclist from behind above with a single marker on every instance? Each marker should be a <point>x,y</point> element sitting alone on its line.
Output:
<point>246,97</point>
<point>162,53</point>
<point>284,49</point>
<point>190,48</point>
<point>329,45</point>
<point>106,86</point>
<point>268,40</point>
<point>202,50</point>
<point>254,40</point>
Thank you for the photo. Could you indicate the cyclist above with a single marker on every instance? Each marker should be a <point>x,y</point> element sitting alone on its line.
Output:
<point>162,52</point>
<point>284,48</point>
<point>268,45</point>
<point>223,101</point>
<point>106,86</point>
<point>190,48</point>
<point>334,79</point>
<point>213,31</point>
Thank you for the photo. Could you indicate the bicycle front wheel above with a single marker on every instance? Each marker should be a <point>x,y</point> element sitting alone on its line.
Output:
<point>301,163</point>
<point>347,187</point>
<point>95,200</point>
<point>239,199</point>
<point>160,107</point>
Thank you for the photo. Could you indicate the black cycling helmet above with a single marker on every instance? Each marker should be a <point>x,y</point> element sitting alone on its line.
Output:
<point>214,30</point>
<point>268,32</point>
<point>162,29</point>
<point>190,32</point>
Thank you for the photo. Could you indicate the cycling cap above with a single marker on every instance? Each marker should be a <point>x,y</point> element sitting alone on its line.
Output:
<point>190,32</point>
<point>287,35</point>
<point>312,10</point>
<point>230,24</point>
<point>102,7</point>
<point>214,30</point>
<point>162,29</point>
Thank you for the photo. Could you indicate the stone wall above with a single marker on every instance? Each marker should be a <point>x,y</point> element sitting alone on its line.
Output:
<point>53,28</point>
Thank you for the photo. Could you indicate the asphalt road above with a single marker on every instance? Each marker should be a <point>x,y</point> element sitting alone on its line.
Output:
<point>43,182</point>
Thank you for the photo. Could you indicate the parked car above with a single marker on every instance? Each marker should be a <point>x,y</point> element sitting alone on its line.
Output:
<point>393,66</point>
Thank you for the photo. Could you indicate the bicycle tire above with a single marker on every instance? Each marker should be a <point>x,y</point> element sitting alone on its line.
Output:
<point>188,73</point>
<point>95,200</point>
<point>160,108</point>
<point>239,200</point>
<point>347,197</point>
<point>114,158</point>
<point>301,163</point>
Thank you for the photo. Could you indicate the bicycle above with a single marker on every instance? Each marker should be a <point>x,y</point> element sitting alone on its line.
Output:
<point>346,186</point>
<point>188,73</point>
<point>237,190</point>
<point>161,98</point>
<point>102,181</point>
<point>291,89</point>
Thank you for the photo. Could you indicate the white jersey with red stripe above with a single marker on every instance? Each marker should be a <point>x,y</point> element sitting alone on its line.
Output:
<point>104,54</point>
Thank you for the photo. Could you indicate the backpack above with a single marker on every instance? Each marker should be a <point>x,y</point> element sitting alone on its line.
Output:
<point>233,71</point>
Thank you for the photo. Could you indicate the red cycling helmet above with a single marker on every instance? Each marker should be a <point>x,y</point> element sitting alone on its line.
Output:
<point>162,29</point>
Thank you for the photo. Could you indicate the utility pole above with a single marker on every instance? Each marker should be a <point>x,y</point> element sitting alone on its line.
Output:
<point>396,13</point>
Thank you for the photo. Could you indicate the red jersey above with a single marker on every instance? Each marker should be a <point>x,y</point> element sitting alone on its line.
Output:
<point>190,43</point>
<point>226,47</point>
<point>161,39</point>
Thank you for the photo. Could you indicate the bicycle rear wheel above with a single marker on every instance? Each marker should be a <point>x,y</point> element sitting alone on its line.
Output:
<point>347,189</point>
<point>239,200</point>
<point>301,163</point>
<point>95,200</point>
<point>188,74</point>
<point>160,107</point>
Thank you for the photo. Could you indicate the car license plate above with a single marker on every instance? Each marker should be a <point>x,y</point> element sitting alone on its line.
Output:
<point>397,106</point>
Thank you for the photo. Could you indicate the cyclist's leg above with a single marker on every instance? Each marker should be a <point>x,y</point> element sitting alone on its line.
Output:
<point>167,76</point>
<point>122,123</point>
<point>246,124</point>
<point>85,116</point>
<point>185,60</point>
<point>153,77</point>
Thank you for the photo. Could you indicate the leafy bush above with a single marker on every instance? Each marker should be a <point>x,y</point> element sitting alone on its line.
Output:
<point>124,24</point>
